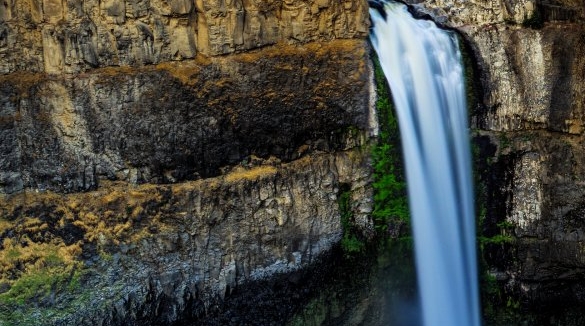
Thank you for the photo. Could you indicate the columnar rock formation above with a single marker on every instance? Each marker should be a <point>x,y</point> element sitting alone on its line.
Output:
<point>156,155</point>
<point>57,36</point>
<point>159,139</point>
<point>182,120</point>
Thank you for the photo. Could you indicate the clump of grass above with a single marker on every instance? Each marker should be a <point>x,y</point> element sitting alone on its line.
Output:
<point>187,72</point>
<point>35,270</point>
<point>254,173</point>
<point>534,21</point>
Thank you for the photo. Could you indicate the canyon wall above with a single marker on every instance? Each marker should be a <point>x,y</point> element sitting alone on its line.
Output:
<point>161,254</point>
<point>528,117</point>
<point>159,156</point>
<point>180,120</point>
<point>57,36</point>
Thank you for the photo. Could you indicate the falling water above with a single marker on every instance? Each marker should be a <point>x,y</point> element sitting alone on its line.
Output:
<point>423,66</point>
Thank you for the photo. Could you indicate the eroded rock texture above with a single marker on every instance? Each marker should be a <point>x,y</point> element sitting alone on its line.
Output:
<point>156,156</point>
<point>180,121</point>
<point>160,254</point>
<point>271,136</point>
<point>472,13</point>
<point>56,36</point>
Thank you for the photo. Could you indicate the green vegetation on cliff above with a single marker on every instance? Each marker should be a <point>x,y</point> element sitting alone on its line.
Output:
<point>390,199</point>
<point>351,241</point>
<point>534,21</point>
<point>46,238</point>
<point>390,215</point>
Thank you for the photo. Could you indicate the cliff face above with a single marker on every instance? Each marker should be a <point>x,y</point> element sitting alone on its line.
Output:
<point>145,175</point>
<point>158,254</point>
<point>529,118</point>
<point>158,156</point>
<point>179,121</point>
<point>57,36</point>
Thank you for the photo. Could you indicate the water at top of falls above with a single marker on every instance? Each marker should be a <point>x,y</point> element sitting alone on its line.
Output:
<point>422,64</point>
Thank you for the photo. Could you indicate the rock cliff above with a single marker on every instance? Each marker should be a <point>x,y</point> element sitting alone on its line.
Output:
<point>159,254</point>
<point>157,156</point>
<point>57,36</point>
<point>180,120</point>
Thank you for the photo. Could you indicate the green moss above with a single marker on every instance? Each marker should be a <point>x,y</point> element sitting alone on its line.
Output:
<point>75,281</point>
<point>36,285</point>
<point>496,239</point>
<point>13,313</point>
<point>390,199</point>
<point>351,242</point>
<point>13,254</point>
<point>472,86</point>
<point>105,256</point>
<point>505,142</point>
<point>503,237</point>
<point>33,274</point>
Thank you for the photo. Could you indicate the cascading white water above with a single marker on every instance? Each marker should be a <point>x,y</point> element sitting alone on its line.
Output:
<point>422,64</point>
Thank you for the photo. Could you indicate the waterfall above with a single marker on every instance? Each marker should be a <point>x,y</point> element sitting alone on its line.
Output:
<point>422,64</point>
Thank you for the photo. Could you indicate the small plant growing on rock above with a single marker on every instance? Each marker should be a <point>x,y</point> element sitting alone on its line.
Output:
<point>390,201</point>
<point>350,243</point>
<point>535,21</point>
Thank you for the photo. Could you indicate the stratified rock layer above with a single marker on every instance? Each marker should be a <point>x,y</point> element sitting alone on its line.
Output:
<point>180,121</point>
<point>154,255</point>
<point>57,36</point>
<point>144,175</point>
